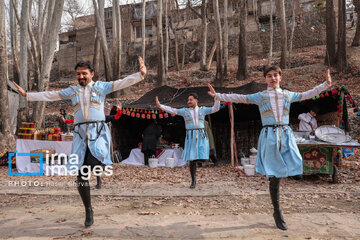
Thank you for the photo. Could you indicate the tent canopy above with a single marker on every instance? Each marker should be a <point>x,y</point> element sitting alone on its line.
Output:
<point>247,117</point>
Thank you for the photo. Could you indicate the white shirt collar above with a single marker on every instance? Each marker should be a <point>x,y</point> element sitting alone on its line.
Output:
<point>272,89</point>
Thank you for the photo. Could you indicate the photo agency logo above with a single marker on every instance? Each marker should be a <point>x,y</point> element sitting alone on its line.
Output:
<point>57,164</point>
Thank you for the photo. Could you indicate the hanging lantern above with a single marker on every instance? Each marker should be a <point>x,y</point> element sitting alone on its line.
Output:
<point>161,116</point>
<point>138,115</point>
<point>124,111</point>
<point>153,116</point>
<point>322,95</point>
<point>313,98</point>
<point>326,94</point>
<point>148,116</point>
<point>141,111</point>
<point>133,114</point>
<point>143,116</point>
<point>351,100</point>
<point>137,110</point>
<point>334,92</point>
<point>166,115</point>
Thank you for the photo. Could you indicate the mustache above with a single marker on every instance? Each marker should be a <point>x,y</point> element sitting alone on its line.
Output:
<point>82,79</point>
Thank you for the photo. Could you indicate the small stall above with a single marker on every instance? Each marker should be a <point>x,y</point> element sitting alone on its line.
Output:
<point>50,142</point>
<point>323,154</point>
<point>322,157</point>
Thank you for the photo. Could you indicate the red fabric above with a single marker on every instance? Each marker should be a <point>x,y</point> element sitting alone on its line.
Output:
<point>118,114</point>
<point>69,120</point>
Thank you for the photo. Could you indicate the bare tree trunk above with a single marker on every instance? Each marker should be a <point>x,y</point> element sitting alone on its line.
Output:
<point>118,45</point>
<point>226,38</point>
<point>101,28</point>
<point>177,52</point>
<point>161,73</point>
<point>330,34</point>
<point>166,37</point>
<point>204,35</point>
<point>116,39</point>
<point>143,17</point>
<point>283,35</point>
<point>114,48</point>
<point>211,56</point>
<point>4,106</point>
<point>119,37</point>
<point>24,38</point>
<point>341,54</point>
<point>14,45</point>
<point>294,2</point>
<point>183,53</point>
<point>53,27</point>
<point>271,32</point>
<point>42,30</point>
<point>242,60</point>
<point>356,40</point>
<point>176,40</point>
<point>219,48</point>
<point>96,59</point>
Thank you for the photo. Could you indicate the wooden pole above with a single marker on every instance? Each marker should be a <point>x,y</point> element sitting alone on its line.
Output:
<point>231,113</point>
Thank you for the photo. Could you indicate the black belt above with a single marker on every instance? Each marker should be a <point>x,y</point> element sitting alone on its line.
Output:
<point>191,132</point>
<point>276,126</point>
<point>95,122</point>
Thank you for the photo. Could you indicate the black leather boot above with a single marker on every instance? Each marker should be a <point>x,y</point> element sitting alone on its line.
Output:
<point>98,185</point>
<point>193,174</point>
<point>84,191</point>
<point>146,159</point>
<point>275,198</point>
<point>214,160</point>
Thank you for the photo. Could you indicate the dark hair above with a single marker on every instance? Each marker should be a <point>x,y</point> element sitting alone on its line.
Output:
<point>272,68</point>
<point>315,109</point>
<point>85,64</point>
<point>61,109</point>
<point>194,95</point>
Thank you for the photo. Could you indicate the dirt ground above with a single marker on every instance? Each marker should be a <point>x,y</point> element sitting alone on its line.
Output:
<point>143,203</point>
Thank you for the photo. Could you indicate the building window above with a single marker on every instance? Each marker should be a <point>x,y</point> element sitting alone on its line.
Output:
<point>148,31</point>
<point>72,38</point>
<point>109,33</point>
<point>108,13</point>
<point>138,32</point>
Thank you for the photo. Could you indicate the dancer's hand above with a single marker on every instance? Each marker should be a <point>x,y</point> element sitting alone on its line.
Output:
<point>212,91</point>
<point>20,89</point>
<point>118,105</point>
<point>62,118</point>
<point>157,101</point>
<point>143,70</point>
<point>328,77</point>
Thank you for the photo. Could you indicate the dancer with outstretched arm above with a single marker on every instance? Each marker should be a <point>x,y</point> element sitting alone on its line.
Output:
<point>278,155</point>
<point>196,141</point>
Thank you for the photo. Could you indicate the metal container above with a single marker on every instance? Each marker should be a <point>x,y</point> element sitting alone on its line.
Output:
<point>302,134</point>
<point>332,134</point>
